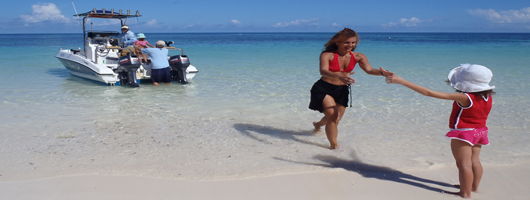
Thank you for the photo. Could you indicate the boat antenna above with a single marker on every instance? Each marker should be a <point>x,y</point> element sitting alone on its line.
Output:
<point>78,19</point>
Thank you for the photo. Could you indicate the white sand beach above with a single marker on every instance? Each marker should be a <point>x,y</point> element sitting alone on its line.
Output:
<point>242,161</point>
<point>506,182</point>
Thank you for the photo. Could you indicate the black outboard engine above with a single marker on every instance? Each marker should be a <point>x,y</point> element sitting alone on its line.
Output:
<point>179,64</point>
<point>127,70</point>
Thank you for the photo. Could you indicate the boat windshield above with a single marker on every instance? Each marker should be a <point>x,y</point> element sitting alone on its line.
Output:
<point>93,34</point>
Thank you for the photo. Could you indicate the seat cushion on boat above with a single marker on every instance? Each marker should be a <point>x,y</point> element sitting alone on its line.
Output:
<point>128,50</point>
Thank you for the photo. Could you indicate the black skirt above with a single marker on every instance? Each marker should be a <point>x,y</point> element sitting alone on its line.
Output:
<point>322,88</point>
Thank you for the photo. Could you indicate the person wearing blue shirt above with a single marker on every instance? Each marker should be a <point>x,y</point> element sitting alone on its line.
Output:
<point>160,72</point>
<point>127,37</point>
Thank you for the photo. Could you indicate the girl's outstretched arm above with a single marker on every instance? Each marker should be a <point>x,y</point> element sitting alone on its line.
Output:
<point>459,97</point>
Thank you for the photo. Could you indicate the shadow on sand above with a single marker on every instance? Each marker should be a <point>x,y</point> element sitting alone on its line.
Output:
<point>354,165</point>
<point>249,129</point>
<point>374,171</point>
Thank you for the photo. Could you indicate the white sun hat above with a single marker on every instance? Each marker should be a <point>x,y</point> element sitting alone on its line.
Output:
<point>470,78</point>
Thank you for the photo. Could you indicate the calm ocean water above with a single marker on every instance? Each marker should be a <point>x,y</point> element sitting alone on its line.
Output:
<point>245,113</point>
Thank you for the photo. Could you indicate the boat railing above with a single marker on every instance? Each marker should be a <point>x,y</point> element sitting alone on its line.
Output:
<point>72,49</point>
<point>169,48</point>
<point>104,50</point>
<point>174,48</point>
<point>69,48</point>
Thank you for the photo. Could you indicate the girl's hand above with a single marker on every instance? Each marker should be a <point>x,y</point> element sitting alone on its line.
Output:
<point>386,73</point>
<point>394,79</point>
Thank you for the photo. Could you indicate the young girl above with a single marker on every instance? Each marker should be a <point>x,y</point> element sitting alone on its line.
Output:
<point>467,122</point>
<point>139,45</point>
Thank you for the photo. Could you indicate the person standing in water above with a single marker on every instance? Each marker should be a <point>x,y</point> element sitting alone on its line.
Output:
<point>160,72</point>
<point>329,95</point>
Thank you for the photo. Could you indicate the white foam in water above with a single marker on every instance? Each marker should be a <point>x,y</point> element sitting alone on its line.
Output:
<point>246,115</point>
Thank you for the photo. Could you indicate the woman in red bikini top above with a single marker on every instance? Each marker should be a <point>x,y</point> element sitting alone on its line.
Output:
<point>337,61</point>
<point>334,65</point>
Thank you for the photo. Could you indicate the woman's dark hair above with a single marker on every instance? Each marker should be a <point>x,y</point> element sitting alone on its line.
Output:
<point>485,93</point>
<point>342,35</point>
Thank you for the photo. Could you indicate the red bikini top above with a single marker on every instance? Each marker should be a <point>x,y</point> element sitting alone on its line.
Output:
<point>335,67</point>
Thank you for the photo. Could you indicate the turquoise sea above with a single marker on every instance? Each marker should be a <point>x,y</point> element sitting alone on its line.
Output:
<point>245,113</point>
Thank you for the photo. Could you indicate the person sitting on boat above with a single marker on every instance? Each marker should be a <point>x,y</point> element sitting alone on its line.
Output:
<point>160,72</point>
<point>140,44</point>
<point>127,37</point>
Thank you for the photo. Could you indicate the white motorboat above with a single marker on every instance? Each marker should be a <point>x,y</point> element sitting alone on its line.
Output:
<point>100,59</point>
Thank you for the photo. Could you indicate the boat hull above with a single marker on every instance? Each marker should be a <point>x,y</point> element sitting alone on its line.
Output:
<point>82,67</point>
<point>79,66</point>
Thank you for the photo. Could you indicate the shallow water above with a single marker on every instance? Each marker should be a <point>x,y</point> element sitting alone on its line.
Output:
<point>245,113</point>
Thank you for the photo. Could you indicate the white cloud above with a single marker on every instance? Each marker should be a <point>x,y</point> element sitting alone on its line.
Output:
<point>335,24</point>
<point>404,22</point>
<point>151,23</point>
<point>234,21</point>
<point>192,25</point>
<point>391,24</point>
<point>298,22</point>
<point>45,12</point>
<point>503,16</point>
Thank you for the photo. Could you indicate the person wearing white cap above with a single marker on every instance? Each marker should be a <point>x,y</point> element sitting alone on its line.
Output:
<point>467,122</point>
<point>160,72</point>
<point>127,37</point>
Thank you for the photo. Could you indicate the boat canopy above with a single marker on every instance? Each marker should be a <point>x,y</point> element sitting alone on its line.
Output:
<point>108,14</point>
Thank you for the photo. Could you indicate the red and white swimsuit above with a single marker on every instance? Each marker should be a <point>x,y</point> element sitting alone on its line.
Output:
<point>469,123</point>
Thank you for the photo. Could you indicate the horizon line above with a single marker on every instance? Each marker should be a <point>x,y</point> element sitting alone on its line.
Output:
<point>223,32</point>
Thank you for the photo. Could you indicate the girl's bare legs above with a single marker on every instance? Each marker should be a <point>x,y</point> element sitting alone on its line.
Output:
<point>477,167</point>
<point>139,54</point>
<point>333,114</point>
<point>463,154</point>
<point>145,58</point>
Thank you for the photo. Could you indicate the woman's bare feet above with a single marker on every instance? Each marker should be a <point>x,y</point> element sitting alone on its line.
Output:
<point>334,146</point>
<point>317,127</point>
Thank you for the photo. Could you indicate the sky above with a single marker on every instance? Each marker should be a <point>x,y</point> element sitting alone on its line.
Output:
<point>175,16</point>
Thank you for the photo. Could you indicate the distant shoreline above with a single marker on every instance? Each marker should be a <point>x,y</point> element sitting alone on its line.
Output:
<point>288,32</point>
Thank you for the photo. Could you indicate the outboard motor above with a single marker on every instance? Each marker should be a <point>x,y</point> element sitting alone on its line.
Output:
<point>127,70</point>
<point>179,64</point>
